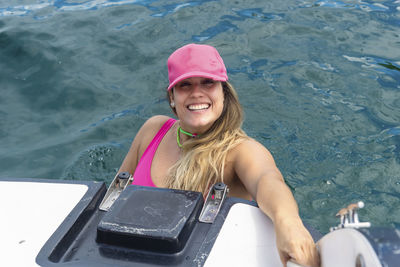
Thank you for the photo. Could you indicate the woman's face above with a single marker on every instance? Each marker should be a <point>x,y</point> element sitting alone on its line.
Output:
<point>198,103</point>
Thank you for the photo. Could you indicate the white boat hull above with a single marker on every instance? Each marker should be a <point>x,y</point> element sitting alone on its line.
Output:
<point>45,221</point>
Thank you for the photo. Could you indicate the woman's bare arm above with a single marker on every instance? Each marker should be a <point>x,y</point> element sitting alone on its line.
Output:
<point>256,169</point>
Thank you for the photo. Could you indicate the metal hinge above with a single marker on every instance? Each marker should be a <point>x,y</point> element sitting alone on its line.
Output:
<point>120,182</point>
<point>213,203</point>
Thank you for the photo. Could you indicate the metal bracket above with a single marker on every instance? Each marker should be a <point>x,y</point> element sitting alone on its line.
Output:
<point>349,217</point>
<point>120,182</point>
<point>213,203</point>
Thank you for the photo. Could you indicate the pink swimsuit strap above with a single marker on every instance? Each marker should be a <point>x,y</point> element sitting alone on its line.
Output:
<point>142,175</point>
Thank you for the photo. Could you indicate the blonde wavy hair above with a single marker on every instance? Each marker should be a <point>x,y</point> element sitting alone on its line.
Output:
<point>203,159</point>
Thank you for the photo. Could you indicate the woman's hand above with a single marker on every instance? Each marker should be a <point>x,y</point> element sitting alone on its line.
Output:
<point>295,243</point>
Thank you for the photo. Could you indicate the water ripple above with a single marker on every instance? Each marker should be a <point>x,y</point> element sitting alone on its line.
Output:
<point>253,13</point>
<point>98,163</point>
<point>60,5</point>
<point>65,5</point>
<point>368,6</point>
<point>123,113</point>
<point>211,32</point>
<point>252,70</point>
<point>113,116</point>
<point>385,66</point>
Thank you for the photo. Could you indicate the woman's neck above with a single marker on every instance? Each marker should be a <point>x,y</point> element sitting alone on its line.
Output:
<point>182,136</point>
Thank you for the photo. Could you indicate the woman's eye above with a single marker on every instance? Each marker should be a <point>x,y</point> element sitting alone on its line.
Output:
<point>208,82</point>
<point>184,85</point>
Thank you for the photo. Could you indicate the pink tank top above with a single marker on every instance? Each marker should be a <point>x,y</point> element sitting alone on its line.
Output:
<point>142,175</point>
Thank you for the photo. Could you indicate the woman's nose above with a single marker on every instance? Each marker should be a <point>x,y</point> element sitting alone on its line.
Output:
<point>196,88</point>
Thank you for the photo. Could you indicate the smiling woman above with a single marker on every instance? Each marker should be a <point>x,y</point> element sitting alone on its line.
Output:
<point>206,145</point>
<point>217,129</point>
<point>199,100</point>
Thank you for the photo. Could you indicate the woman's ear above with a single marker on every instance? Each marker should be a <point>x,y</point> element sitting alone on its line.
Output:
<point>171,95</point>
<point>171,100</point>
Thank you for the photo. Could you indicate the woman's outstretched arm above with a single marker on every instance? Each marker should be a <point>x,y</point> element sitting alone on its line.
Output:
<point>256,168</point>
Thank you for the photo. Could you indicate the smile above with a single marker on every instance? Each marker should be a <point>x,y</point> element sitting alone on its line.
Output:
<point>195,107</point>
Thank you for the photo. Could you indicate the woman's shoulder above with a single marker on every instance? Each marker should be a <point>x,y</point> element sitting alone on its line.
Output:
<point>148,130</point>
<point>155,123</point>
<point>249,148</point>
<point>251,159</point>
<point>152,126</point>
<point>248,143</point>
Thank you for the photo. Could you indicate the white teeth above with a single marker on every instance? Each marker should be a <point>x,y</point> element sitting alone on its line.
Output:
<point>198,106</point>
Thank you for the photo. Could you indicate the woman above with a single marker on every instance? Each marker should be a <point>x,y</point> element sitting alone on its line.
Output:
<point>207,145</point>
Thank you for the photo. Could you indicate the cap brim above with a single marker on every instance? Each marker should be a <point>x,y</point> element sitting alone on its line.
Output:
<point>197,74</point>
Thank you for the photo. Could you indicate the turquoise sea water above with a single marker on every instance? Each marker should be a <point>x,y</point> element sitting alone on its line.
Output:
<point>319,82</point>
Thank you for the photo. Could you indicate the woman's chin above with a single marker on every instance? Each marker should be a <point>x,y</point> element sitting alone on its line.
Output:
<point>198,126</point>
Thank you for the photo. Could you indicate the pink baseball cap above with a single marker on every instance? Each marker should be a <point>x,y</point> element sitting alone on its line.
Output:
<point>194,60</point>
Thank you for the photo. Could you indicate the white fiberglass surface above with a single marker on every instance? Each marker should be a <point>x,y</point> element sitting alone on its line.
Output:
<point>247,238</point>
<point>349,244</point>
<point>29,214</point>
